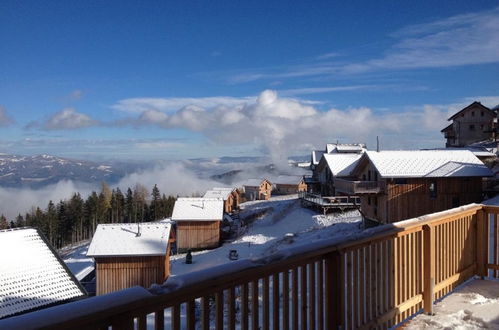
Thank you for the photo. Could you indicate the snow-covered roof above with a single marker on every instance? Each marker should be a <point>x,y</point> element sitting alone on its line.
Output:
<point>345,147</point>
<point>288,179</point>
<point>253,182</point>
<point>130,239</point>
<point>316,156</point>
<point>427,163</point>
<point>198,209</point>
<point>342,164</point>
<point>223,193</point>
<point>32,276</point>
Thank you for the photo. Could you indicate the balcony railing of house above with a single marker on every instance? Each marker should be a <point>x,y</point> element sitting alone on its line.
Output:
<point>359,187</point>
<point>377,279</point>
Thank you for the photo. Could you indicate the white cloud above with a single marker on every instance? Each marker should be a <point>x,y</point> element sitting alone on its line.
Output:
<point>5,119</point>
<point>282,126</point>
<point>139,105</point>
<point>68,118</point>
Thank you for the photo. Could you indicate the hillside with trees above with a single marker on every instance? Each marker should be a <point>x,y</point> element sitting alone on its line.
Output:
<point>75,219</point>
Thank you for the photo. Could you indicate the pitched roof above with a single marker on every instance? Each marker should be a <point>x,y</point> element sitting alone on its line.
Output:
<point>427,163</point>
<point>446,128</point>
<point>223,193</point>
<point>122,239</point>
<point>345,147</point>
<point>198,209</point>
<point>32,275</point>
<point>253,182</point>
<point>342,164</point>
<point>288,179</point>
<point>477,104</point>
<point>316,156</point>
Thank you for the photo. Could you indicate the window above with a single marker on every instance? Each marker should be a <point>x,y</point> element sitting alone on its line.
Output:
<point>369,200</point>
<point>369,175</point>
<point>433,189</point>
<point>472,127</point>
<point>481,127</point>
<point>472,113</point>
<point>482,113</point>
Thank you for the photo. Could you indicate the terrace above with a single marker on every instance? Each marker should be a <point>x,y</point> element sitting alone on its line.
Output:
<point>359,187</point>
<point>378,279</point>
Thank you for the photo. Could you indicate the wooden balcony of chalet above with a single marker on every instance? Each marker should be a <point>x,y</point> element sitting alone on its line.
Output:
<point>350,187</point>
<point>375,280</point>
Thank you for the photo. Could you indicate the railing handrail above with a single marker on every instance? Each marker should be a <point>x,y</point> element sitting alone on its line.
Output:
<point>203,283</point>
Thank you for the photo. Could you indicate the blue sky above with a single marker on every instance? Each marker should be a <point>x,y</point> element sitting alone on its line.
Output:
<point>174,80</point>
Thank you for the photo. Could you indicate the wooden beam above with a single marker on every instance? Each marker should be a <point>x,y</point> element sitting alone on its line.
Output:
<point>429,268</point>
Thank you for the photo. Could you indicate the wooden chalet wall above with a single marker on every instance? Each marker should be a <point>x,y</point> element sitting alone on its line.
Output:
<point>195,235</point>
<point>261,192</point>
<point>232,202</point>
<point>290,188</point>
<point>412,199</point>
<point>472,125</point>
<point>117,273</point>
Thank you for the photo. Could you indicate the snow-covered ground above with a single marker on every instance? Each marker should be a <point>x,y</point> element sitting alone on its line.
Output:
<point>77,261</point>
<point>474,306</point>
<point>266,235</point>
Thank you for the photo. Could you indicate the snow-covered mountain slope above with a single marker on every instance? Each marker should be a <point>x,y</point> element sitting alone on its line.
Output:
<point>37,171</point>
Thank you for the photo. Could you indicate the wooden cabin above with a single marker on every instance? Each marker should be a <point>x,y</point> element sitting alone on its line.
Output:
<point>335,165</point>
<point>198,222</point>
<point>230,196</point>
<point>32,275</point>
<point>129,254</point>
<point>289,184</point>
<point>397,185</point>
<point>471,124</point>
<point>256,189</point>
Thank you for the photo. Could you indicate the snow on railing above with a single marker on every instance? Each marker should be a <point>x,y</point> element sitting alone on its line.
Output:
<point>377,278</point>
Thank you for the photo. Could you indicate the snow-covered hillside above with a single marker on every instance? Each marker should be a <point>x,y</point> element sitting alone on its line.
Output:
<point>266,235</point>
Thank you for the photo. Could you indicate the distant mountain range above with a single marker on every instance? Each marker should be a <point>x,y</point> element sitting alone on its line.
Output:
<point>41,170</point>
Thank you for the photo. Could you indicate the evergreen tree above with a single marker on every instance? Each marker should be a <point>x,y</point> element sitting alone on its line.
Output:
<point>3,222</point>
<point>129,206</point>
<point>155,207</point>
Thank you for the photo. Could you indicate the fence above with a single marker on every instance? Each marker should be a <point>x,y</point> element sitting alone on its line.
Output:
<point>374,281</point>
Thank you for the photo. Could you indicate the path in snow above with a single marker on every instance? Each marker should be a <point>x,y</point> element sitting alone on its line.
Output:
<point>266,235</point>
<point>474,306</point>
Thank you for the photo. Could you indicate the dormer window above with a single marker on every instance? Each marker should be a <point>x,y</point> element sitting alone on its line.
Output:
<point>472,127</point>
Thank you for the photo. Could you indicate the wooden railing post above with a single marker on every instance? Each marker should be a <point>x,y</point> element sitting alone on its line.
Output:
<point>429,268</point>
<point>482,242</point>
<point>334,290</point>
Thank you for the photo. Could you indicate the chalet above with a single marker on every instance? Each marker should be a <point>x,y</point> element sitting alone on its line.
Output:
<point>471,124</point>
<point>198,222</point>
<point>256,189</point>
<point>396,185</point>
<point>129,254</point>
<point>289,184</point>
<point>230,196</point>
<point>335,165</point>
<point>32,276</point>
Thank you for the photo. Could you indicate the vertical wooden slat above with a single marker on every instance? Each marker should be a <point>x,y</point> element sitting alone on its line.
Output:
<point>495,253</point>
<point>334,289</point>
<point>275,301</point>
<point>266,302</point>
<point>311,296</point>
<point>361,286</point>
<point>159,320</point>
<point>349,291</point>
<point>429,274</point>
<point>142,322</point>
<point>285,300</point>
<point>176,317</point>
<point>355,285</point>
<point>219,310</point>
<point>191,315</point>
<point>320,295</point>
<point>205,313</point>
<point>231,309</point>
<point>294,299</point>
<point>244,307</point>
<point>254,306</point>
<point>368,275</point>
<point>482,243</point>
<point>303,296</point>
<point>379,280</point>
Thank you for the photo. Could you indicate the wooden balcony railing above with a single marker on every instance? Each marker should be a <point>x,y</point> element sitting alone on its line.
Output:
<point>377,279</point>
<point>359,187</point>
